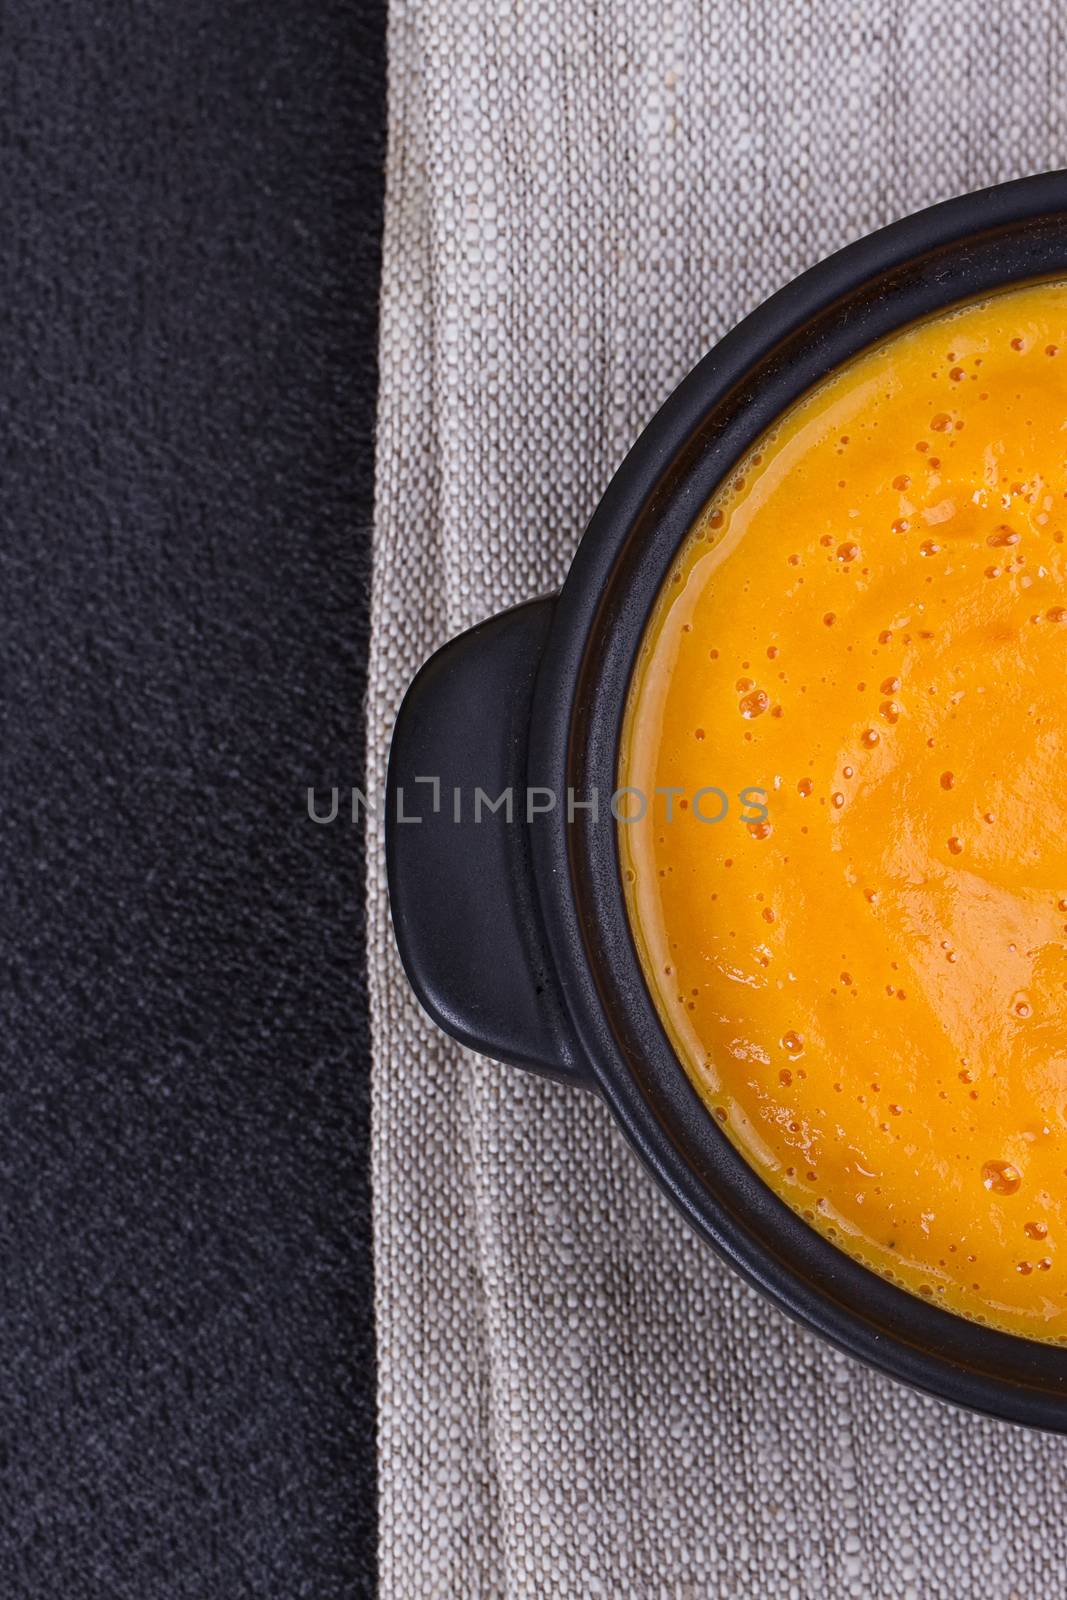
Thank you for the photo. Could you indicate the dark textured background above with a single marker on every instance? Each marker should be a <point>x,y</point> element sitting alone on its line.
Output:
<point>190,207</point>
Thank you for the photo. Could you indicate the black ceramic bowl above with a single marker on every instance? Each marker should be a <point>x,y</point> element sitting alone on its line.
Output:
<point>515,934</point>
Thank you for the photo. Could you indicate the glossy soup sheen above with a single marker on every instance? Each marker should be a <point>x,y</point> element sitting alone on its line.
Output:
<point>868,985</point>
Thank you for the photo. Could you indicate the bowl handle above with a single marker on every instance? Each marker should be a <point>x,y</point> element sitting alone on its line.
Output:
<point>463,902</point>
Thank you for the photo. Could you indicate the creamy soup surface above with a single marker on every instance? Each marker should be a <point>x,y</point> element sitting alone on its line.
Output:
<point>868,984</point>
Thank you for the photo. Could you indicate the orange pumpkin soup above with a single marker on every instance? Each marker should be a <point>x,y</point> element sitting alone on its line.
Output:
<point>868,984</point>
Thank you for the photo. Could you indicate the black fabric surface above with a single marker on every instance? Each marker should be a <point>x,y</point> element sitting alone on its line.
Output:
<point>191,194</point>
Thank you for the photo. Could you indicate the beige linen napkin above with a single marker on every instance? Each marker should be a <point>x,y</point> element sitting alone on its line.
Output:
<point>576,1398</point>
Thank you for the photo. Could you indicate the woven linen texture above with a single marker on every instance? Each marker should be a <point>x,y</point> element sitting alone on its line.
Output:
<point>576,1398</point>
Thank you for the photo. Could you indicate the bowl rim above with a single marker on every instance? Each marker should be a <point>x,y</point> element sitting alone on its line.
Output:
<point>953,251</point>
